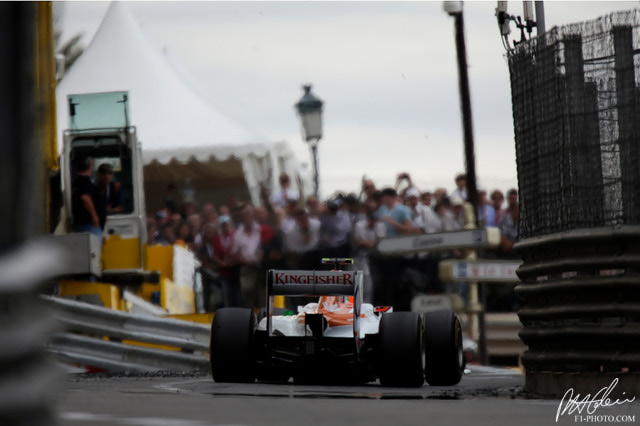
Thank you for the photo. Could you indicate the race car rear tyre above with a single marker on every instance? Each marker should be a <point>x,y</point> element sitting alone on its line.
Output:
<point>444,357</point>
<point>401,350</point>
<point>232,353</point>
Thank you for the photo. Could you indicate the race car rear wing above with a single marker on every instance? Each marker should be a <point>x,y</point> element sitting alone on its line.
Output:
<point>317,283</point>
<point>313,283</point>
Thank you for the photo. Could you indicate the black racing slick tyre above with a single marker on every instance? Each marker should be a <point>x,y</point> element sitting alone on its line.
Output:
<point>231,349</point>
<point>401,350</point>
<point>444,357</point>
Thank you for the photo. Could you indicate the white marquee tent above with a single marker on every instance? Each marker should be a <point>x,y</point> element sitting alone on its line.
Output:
<point>184,138</point>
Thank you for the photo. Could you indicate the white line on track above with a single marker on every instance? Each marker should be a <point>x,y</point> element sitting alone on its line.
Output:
<point>110,419</point>
<point>173,386</point>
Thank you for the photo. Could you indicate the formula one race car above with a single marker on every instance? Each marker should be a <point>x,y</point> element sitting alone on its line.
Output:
<point>335,339</point>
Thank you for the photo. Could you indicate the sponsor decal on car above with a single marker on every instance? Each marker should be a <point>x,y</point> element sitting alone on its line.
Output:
<point>318,278</point>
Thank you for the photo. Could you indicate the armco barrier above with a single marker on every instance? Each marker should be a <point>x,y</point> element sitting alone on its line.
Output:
<point>189,339</point>
<point>116,356</point>
<point>581,313</point>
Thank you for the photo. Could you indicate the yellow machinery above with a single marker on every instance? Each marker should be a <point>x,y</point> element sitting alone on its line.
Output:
<point>119,270</point>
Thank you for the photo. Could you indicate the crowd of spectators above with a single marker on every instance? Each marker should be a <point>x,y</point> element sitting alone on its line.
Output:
<point>237,242</point>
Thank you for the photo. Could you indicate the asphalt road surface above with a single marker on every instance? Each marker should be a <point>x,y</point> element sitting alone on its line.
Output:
<point>485,396</point>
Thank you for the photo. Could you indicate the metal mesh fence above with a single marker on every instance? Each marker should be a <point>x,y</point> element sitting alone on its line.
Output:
<point>576,114</point>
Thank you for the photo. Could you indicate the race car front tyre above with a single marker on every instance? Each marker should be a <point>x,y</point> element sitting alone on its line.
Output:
<point>231,349</point>
<point>444,357</point>
<point>401,350</point>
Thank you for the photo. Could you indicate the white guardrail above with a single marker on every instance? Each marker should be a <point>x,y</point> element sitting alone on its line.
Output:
<point>190,340</point>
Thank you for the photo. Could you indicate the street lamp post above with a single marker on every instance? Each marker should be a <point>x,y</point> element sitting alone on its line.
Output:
<point>309,109</point>
<point>475,308</point>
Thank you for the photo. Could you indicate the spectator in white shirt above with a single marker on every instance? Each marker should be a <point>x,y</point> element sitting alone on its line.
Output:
<point>422,217</point>
<point>368,192</point>
<point>285,194</point>
<point>301,240</point>
<point>427,199</point>
<point>314,206</point>
<point>365,236</point>
<point>335,230</point>
<point>288,219</point>
<point>411,200</point>
<point>461,187</point>
<point>446,217</point>
<point>246,251</point>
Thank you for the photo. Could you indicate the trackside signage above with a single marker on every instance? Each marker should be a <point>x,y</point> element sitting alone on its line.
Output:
<point>490,271</point>
<point>313,282</point>
<point>432,242</point>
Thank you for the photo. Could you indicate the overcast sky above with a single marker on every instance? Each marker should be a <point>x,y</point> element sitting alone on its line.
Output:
<point>387,72</point>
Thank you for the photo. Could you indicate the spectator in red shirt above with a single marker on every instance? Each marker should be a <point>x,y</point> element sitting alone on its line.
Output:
<point>226,264</point>
<point>209,269</point>
<point>271,242</point>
